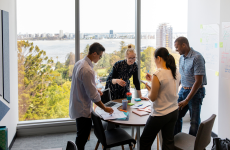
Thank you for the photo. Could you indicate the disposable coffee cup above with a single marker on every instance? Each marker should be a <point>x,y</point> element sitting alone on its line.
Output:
<point>124,104</point>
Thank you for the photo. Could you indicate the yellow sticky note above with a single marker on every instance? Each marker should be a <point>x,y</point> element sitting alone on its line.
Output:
<point>200,40</point>
<point>201,26</point>
<point>221,44</point>
<point>217,73</point>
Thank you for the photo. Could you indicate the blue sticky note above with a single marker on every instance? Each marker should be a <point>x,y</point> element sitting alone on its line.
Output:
<point>216,45</point>
<point>137,99</point>
<point>3,110</point>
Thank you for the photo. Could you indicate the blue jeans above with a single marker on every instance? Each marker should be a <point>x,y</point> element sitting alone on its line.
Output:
<point>194,107</point>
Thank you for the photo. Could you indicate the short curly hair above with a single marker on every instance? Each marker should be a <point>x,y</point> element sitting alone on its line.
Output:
<point>180,40</point>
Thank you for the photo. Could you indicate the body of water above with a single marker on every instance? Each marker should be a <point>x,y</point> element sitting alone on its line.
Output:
<point>62,48</point>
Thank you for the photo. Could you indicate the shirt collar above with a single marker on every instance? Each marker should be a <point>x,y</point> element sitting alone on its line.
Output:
<point>89,61</point>
<point>190,52</point>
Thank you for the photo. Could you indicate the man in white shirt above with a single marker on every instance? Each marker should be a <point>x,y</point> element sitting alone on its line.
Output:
<point>84,93</point>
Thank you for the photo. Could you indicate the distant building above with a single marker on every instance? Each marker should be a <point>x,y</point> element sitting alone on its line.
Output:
<point>111,34</point>
<point>164,36</point>
<point>61,34</point>
<point>37,35</point>
<point>43,35</point>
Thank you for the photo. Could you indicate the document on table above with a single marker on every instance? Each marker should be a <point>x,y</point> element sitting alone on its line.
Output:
<point>142,104</point>
<point>106,116</point>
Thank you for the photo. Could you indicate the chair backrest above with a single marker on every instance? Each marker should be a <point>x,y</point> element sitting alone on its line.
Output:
<point>106,97</point>
<point>98,128</point>
<point>71,146</point>
<point>203,136</point>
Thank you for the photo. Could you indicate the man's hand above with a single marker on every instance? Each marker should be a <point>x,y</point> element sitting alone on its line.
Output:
<point>144,98</point>
<point>108,110</point>
<point>100,92</point>
<point>148,77</point>
<point>183,103</point>
<point>121,82</point>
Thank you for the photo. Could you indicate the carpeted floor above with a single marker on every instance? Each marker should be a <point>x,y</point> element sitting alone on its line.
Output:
<point>60,140</point>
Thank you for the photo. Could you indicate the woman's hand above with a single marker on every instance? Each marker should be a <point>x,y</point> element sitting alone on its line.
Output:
<point>121,82</point>
<point>147,87</point>
<point>144,98</point>
<point>148,77</point>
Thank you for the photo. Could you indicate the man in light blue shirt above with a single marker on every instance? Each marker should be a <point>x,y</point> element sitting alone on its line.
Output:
<point>84,92</point>
<point>193,79</point>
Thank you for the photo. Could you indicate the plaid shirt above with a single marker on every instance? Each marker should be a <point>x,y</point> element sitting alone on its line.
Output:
<point>191,65</point>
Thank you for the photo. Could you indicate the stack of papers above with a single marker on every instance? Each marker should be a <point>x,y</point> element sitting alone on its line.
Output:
<point>142,104</point>
<point>115,115</point>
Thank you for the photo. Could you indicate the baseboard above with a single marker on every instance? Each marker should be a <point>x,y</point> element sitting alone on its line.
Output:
<point>43,128</point>
<point>214,135</point>
<point>12,142</point>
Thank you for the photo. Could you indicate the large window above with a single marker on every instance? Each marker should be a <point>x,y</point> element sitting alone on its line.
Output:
<point>111,23</point>
<point>46,48</point>
<point>161,23</point>
<point>46,45</point>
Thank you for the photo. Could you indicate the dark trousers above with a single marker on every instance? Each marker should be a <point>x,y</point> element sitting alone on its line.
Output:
<point>194,107</point>
<point>83,130</point>
<point>156,123</point>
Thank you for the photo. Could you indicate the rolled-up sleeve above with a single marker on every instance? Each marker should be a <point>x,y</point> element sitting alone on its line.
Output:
<point>89,83</point>
<point>199,65</point>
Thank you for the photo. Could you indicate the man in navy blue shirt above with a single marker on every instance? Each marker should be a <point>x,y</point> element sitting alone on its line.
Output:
<point>193,79</point>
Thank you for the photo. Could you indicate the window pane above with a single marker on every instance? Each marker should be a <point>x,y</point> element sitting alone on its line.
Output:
<point>112,24</point>
<point>46,50</point>
<point>162,22</point>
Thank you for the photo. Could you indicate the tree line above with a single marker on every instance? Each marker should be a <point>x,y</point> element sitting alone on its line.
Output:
<point>44,86</point>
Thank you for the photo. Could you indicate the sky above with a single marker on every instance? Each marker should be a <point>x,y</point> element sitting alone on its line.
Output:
<point>99,16</point>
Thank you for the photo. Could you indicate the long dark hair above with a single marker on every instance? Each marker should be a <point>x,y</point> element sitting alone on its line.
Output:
<point>168,58</point>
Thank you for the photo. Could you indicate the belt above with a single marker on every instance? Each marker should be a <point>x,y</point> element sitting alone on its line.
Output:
<point>189,88</point>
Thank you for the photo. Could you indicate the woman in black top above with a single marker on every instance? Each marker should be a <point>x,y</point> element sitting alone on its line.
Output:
<point>118,79</point>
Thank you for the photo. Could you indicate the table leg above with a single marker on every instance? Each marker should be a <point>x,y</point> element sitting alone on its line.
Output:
<point>132,131</point>
<point>138,137</point>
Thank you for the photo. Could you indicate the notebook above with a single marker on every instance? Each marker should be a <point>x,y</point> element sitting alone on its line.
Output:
<point>140,113</point>
<point>148,83</point>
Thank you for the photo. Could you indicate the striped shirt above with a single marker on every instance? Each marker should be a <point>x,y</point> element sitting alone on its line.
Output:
<point>83,90</point>
<point>191,65</point>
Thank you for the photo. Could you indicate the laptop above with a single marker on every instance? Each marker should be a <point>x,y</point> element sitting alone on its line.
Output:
<point>107,100</point>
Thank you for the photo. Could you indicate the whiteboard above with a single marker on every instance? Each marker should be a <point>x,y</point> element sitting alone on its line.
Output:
<point>225,50</point>
<point>209,39</point>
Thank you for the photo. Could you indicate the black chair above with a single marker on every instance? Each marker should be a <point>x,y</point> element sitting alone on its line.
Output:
<point>71,146</point>
<point>110,138</point>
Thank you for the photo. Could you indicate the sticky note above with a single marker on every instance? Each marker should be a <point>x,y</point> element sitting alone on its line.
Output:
<point>216,45</point>
<point>201,26</point>
<point>137,99</point>
<point>200,40</point>
<point>217,73</point>
<point>221,44</point>
<point>130,104</point>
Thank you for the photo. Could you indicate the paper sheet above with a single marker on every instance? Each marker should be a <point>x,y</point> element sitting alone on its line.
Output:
<point>148,83</point>
<point>144,104</point>
<point>106,116</point>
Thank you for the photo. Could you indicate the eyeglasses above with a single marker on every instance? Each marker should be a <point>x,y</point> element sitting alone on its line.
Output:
<point>100,56</point>
<point>134,58</point>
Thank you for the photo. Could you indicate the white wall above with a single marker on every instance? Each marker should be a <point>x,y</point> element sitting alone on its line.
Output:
<point>218,96</point>
<point>11,118</point>
<point>205,12</point>
<point>224,84</point>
